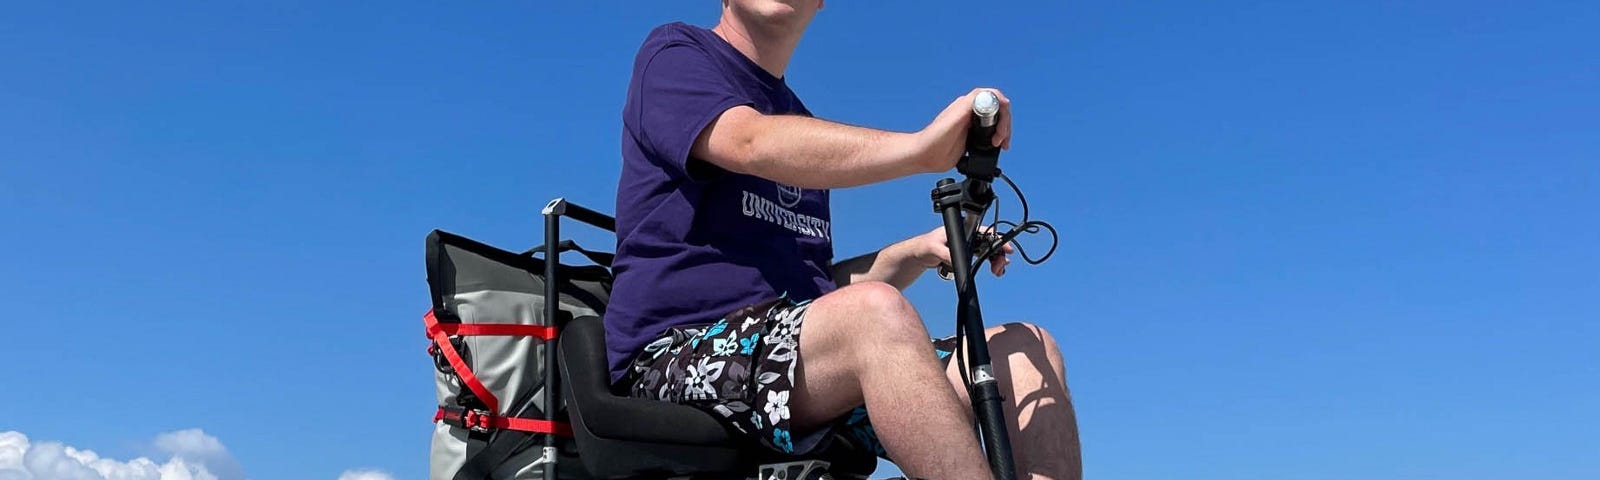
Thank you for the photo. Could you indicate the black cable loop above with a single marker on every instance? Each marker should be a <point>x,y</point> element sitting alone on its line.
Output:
<point>1015,229</point>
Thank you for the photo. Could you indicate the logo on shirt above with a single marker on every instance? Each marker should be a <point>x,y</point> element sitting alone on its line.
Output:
<point>789,196</point>
<point>759,207</point>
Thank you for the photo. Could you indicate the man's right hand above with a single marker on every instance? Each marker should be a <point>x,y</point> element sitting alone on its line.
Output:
<point>944,140</point>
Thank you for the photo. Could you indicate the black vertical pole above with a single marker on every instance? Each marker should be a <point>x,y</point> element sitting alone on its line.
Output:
<point>985,390</point>
<point>552,301</point>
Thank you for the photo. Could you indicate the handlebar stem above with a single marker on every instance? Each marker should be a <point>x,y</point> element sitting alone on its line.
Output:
<point>951,199</point>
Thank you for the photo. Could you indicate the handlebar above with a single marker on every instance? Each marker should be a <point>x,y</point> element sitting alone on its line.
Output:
<point>980,164</point>
<point>971,198</point>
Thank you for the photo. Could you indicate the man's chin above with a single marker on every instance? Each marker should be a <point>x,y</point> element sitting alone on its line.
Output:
<point>793,24</point>
<point>780,16</point>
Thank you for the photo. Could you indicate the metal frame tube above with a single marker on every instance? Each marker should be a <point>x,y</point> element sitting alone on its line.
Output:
<point>553,212</point>
<point>985,389</point>
<point>552,312</point>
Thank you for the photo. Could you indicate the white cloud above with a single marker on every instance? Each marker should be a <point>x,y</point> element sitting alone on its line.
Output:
<point>193,455</point>
<point>194,446</point>
<point>365,475</point>
<point>21,459</point>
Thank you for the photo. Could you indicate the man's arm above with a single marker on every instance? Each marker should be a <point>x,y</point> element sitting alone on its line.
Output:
<point>813,153</point>
<point>902,263</point>
<point>898,264</point>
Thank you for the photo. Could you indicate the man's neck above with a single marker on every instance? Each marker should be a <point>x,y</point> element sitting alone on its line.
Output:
<point>771,52</point>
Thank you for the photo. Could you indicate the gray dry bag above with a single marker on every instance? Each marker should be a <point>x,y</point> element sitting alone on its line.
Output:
<point>488,336</point>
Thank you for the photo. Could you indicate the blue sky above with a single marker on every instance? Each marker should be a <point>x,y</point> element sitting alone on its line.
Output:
<point>1299,239</point>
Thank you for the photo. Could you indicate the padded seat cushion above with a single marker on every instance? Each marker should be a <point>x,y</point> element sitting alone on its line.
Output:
<point>626,436</point>
<point>611,416</point>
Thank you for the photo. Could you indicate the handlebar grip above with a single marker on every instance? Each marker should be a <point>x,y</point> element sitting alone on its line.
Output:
<point>985,115</point>
<point>982,160</point>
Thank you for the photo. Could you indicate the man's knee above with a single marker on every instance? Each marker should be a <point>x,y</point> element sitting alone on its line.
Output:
<point>1030,339</point>
<point>878,312</point>
<point>1036,334</point>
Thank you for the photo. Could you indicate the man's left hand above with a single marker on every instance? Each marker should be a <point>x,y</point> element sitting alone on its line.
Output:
<point>932,249</point>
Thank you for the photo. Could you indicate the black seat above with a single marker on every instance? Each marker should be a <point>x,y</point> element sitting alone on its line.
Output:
<point>624,437</point>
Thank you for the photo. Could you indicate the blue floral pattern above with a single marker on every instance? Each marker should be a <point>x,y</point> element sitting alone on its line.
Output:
<point>780,437</point>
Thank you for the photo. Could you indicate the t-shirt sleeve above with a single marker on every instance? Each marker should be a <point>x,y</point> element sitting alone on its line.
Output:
<point>681,90</point>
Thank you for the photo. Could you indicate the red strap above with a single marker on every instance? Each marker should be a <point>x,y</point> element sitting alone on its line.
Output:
<point>472,419</point>
<point>436,332</point>
<point>545,332</point>
<point>531,425</point>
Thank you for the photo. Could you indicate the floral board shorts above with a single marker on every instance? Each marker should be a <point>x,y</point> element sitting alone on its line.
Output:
<point>741,369</point>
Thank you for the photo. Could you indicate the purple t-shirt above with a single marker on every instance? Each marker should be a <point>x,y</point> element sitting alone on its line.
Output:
<point>696,242</point>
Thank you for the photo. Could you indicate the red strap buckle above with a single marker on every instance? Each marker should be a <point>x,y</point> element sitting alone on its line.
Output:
<point>477,420</point>
<point>480,420</point>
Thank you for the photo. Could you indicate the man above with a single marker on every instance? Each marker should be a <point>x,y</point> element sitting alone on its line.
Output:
<point>726,293</point>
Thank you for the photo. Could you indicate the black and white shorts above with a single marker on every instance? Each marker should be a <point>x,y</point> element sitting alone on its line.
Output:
<point>741,368</point>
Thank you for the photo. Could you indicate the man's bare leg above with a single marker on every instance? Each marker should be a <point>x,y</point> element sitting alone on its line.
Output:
<point>864,343</point>
<point>1039,416</point>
